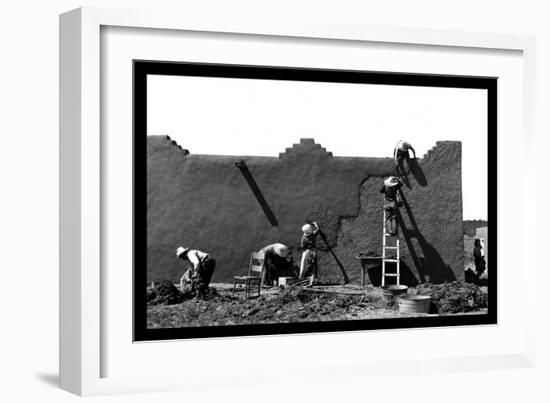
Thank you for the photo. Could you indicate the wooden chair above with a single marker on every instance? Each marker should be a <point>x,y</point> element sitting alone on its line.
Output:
<point>254,276</point>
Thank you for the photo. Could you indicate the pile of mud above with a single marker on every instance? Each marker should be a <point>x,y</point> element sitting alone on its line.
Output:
<point>453,297</point>
<point>291,305</point>
<point>471,276</point>
<point>165,293</point>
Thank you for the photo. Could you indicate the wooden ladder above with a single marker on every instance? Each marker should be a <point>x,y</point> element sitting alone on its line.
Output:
<point>393,258</point>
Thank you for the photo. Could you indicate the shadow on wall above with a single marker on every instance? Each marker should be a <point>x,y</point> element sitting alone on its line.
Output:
<point>407,277</point>
<point>417,172</point>
<point>426,259</point>
<point>257,192</point>
<point>414,169</point>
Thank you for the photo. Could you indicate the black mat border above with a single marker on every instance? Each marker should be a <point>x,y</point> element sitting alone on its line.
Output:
<point>143,68</point>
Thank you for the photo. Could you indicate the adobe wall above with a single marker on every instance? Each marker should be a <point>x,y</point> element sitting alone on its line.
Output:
<point>203,201</point>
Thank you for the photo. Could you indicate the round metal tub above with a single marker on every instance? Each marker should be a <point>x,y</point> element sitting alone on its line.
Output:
<point>415,304</point>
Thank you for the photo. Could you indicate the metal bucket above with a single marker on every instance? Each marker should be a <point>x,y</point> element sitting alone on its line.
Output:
<point>390,292</point>
<point>415,304</point>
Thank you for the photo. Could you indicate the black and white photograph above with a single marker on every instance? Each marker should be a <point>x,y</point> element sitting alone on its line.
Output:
<point>272,200</point>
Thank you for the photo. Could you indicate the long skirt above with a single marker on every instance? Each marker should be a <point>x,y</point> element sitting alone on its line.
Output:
<point>204,275</point>
<point>391,218</point>
<point>308,265</point>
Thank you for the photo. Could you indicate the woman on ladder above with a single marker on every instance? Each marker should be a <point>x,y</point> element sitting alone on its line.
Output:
<point>391,203</point>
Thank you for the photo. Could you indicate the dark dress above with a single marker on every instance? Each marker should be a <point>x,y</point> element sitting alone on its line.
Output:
<point>391,204</point>
<point>276,266</point>
<point>204,275</point>
<point>479,261</point>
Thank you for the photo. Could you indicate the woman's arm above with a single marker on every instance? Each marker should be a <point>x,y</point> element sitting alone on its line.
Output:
<point>186,278</point>
<point>315,227</point>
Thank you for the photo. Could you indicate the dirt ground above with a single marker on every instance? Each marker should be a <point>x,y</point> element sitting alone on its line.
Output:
<point>300,304</point>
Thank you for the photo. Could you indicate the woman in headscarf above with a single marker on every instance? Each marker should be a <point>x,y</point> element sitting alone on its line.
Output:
<point>277,262</point>
<point>479,257</point>
<point>401,152</point>
<point>308,265</point>
<point>200,271</point>
<point>391,203</point>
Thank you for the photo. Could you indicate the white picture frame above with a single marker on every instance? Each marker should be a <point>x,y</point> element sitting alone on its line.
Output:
<point>82,305</point>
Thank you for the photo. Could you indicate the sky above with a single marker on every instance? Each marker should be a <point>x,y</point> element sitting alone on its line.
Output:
<point>227,116</point>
